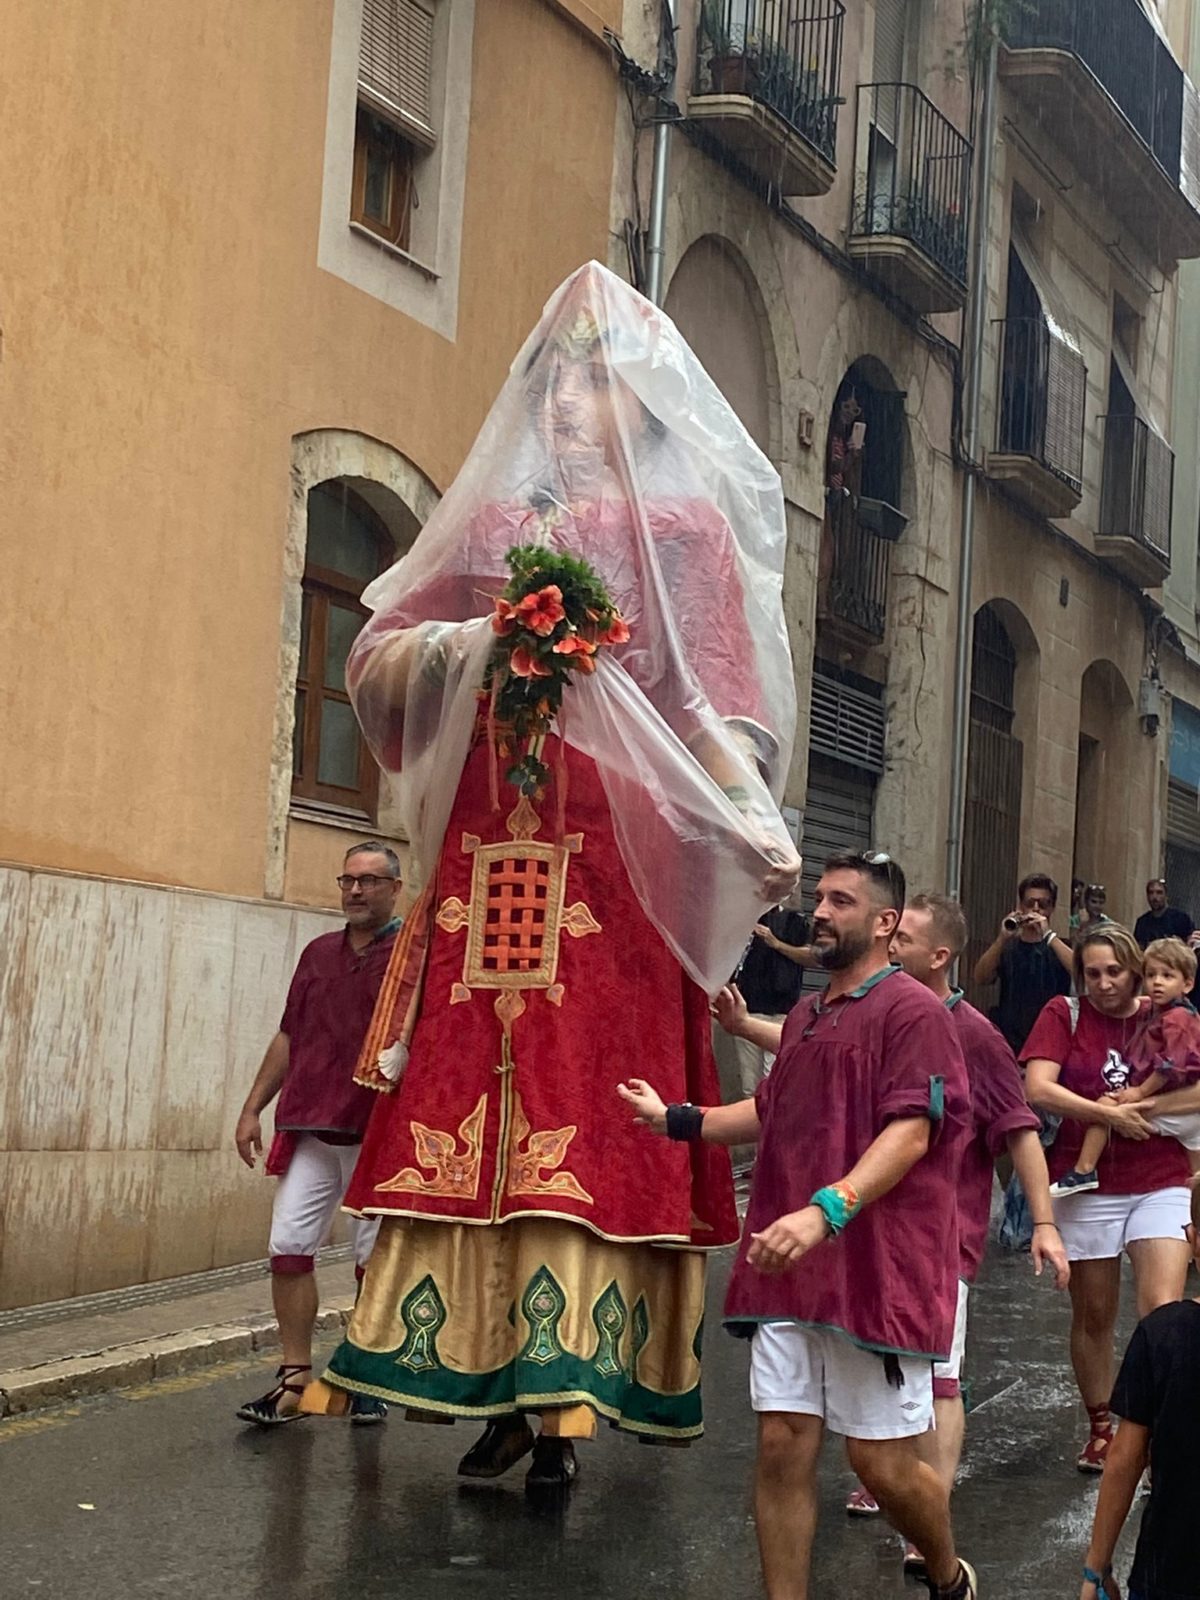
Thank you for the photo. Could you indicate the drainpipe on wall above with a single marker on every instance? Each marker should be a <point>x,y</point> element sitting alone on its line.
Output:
<point>974,355</point>
<point>656,232</point>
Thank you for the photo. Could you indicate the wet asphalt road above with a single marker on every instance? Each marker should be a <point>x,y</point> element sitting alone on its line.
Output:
<point>186,1504</point>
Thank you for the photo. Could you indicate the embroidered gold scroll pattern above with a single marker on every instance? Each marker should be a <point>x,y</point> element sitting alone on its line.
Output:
<point>529,1153</point>
<point>455,1170</point>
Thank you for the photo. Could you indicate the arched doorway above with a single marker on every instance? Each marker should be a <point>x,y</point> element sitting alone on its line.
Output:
<point>714,302</point>
<point>995,767</point>
<point>1108,758</point>
<point>865,450</point>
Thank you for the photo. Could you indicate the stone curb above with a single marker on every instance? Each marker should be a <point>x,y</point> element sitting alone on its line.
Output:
<point>165,1356</point>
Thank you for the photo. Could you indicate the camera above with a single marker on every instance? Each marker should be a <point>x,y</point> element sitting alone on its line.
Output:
<point>1011,924</point>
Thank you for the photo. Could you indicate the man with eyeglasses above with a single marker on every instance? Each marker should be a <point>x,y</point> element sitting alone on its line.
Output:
<point>321,1116</point>
<point>844,1280</point>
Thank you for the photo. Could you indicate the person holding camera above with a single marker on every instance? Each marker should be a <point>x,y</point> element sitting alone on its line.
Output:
<point>1031,961</point>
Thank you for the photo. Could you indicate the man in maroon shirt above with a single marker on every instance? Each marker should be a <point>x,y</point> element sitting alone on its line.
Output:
<point>843,1277</point>
<point>930,937</point>
<point>322,1114</point>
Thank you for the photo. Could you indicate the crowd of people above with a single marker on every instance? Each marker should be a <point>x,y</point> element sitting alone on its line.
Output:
<point>579,679</point>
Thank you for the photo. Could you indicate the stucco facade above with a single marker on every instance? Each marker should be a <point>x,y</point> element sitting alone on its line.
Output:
<point>194,335</point>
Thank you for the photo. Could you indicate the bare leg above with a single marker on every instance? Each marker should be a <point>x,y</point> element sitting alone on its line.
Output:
<point>294,1296</point>
<point>1095,1294</point>
<point>1159,1271</point>
<point>913,1498</point>
<point>941,1448</point>
<point>785,1500</point>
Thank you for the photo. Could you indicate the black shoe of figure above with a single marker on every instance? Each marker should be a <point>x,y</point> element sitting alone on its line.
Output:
<point>553,1466</point>
<point>500,1446</point>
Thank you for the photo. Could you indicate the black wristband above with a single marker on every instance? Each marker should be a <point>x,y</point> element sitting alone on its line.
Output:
<point>685,1121</point>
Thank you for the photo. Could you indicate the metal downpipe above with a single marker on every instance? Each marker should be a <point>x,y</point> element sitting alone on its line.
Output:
<point>975,338</point>
<point>656,231</point>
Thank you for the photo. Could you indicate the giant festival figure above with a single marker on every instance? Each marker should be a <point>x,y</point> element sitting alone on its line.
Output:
<point>579,677</point>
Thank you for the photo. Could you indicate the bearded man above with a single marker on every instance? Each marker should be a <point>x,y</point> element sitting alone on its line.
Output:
<point>846,1279</point>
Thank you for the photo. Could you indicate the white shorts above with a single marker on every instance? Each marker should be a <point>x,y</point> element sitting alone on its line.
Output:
<point>307,1201</point>
<point>951,1371</point>
<point>1185,1127</point>
<point>819,1373</point>
<point>1097,1227</point>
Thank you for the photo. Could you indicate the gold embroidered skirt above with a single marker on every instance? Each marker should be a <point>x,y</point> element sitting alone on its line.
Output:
<point>481,1321</point>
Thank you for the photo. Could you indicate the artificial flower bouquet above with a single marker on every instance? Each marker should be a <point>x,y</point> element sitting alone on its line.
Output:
<point>550,621</point>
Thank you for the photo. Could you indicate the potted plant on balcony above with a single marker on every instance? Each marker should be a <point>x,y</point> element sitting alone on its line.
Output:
<point>733,66</point>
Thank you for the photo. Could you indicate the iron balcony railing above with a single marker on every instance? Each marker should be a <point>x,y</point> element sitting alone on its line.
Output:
<point>1119,45</point>
<point>1139,473</point>
<point>914,174</point>
<point>786,54</point>
<point>859,579</point>
<point>1043,389</point>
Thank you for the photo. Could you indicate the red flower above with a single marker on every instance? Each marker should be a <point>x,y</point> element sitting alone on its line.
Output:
<point>505,618</point>
<point>526,665</point>
<point>585,664</point>
<point>543,611</point>
<point>617,631</point>
<point>575,645</point>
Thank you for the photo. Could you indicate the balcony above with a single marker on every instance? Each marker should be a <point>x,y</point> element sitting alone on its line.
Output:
<point>1110,96</point>
<point>1039,426</point>
<point>767,88</point>
<point>912,186</point>
<point>854,606</point>
<point>1135,501</point>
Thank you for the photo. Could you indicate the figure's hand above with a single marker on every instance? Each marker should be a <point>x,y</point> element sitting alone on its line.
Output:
<point>761,931</point>
<point>730,1009</point>
<point>1047,1250</point>
<point>781,1245</point>
<point>1035,919</point>
<point>783,874</point>
<point>248,1137</point>
<point>647,1103</point>
<point>1123,1097</point>
<point>1128,1121</point>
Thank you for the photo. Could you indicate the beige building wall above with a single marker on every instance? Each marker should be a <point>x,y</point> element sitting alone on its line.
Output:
<point>192,335</point>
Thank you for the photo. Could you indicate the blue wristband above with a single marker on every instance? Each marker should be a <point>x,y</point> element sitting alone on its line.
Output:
<point>837,1209</point>
<point>1098,1579</point>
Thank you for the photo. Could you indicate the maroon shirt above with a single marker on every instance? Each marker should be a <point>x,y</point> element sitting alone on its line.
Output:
<point>998,1108</point>
<point>328,1011</point>
<point>846,1069</point>
<point>1094,1060</point>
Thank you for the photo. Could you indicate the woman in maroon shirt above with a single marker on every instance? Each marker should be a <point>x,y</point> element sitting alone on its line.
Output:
<point>1077,1052</point>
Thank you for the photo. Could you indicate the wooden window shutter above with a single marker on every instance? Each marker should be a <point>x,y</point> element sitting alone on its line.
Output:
<point>395,63</point>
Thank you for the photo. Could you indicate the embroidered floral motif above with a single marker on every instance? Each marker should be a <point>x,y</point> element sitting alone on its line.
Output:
<point>529,1153</point>
<point>611,1318</point>
<point>455,1172</point>
<point>542,1307</point>
<point>423,1313</point>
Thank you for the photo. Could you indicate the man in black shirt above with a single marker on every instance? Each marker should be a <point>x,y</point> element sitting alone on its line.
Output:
<point>1032,962</point>
<point>1161,921</point>
<point>1157,1398</point>
<point>769,978</point>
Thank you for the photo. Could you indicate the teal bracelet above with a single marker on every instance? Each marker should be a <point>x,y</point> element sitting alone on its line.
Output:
<point>838,1212</point>
<point>1098,1579</point>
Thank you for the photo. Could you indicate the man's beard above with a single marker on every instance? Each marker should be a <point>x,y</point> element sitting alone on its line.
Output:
<point>846,949</point>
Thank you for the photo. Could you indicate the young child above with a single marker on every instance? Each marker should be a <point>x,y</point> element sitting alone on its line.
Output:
<point>1164,1055</point>
<point>1157,1398</point>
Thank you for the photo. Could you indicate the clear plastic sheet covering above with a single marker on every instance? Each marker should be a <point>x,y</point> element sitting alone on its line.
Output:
<point>610,441</point>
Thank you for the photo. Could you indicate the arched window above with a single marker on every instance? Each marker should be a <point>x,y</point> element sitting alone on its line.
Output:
<point>347,545</point>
